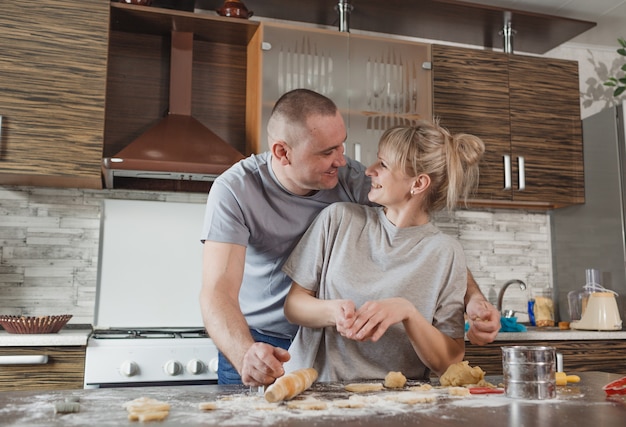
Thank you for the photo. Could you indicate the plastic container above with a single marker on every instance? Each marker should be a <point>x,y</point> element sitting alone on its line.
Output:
<point>541,308</point>
<point>529,372</point>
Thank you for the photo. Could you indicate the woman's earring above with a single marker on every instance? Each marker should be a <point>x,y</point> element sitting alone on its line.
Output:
<point>412,192</point>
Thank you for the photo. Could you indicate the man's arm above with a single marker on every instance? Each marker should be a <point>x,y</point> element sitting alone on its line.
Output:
<point>222,273</point>
<point>483,317</point>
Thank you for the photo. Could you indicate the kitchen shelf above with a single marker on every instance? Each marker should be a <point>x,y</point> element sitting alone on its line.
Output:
<point>157,21</point>
<point>443,20</point>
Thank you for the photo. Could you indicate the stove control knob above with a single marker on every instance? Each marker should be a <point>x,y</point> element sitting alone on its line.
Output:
<point>172,368</point>
<point>128,368</point>
<point>213,364</point>
<point>195,366</point>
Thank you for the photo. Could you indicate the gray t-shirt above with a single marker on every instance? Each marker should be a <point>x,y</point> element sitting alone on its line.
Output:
<point>248,206</point>
<point>354,252</point>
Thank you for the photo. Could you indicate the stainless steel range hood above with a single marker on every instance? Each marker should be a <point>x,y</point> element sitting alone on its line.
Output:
<point>178,147</point>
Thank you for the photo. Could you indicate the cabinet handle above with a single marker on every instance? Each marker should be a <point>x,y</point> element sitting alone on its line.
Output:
<point>507,172</point>
<point>0,136</point>
<point>35,359</point>
<point>521,173</point>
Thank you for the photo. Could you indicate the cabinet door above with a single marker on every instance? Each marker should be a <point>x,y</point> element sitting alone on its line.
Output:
<point>52,89</point>
<point>546,130</point>
<point>471,95</point>
<point>64,369</point>
<point>389,85</point>
<point>296,57</point>
<point>376,82</point>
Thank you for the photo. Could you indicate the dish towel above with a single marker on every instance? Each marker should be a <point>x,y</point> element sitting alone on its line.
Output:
<point>507,324</point>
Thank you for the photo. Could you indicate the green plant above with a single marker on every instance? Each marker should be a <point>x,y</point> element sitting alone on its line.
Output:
<point>619,83</point>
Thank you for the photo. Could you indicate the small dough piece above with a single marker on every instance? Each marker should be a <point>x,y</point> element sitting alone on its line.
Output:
<point>147,409</point>
<point>394,380</point>
<point>66,407</point>
<point>267,406</point>
<point>411,398</point>
<point>148,416</point>
<point>308,405</point>
<point>365,398</point>
<point>146,404</point>
<point>462,373</point>
<point>459,391</point>
<point>421,387</point>
<point>364,387</point>
<point>348,403</point>
<point>207,406</point>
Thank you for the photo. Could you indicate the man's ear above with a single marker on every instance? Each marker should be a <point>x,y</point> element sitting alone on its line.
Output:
<point>280,151</point>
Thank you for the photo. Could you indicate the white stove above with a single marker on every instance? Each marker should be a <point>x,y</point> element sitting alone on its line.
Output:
<point>118,358</point>
<point>149,328</point>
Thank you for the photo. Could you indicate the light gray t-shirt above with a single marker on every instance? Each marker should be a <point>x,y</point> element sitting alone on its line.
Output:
<point>353,252</point>
<point>248,206</point>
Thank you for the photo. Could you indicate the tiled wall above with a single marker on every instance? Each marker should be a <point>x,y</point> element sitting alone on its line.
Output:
<point>49,248</point>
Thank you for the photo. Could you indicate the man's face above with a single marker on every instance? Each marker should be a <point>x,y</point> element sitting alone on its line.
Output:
<point>314,161</point>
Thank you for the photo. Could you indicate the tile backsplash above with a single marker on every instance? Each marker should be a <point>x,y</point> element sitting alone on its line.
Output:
<point>49,242</point>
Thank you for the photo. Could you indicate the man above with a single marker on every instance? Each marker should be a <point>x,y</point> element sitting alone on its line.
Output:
<point>256,213</point>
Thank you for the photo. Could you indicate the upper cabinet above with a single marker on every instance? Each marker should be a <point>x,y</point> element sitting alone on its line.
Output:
<point>377,82</point>
<point>52,91</point>
<point>527,111</point>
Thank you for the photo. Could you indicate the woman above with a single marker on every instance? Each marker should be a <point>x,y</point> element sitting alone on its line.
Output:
<point>379,289</point>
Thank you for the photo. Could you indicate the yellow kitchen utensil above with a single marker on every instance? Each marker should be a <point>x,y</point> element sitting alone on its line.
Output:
<point>562,378</point>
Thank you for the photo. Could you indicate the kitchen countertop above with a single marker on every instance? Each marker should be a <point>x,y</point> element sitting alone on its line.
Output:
<point>76,335</point>
<point>556,334</point>
<point>581,404</point>
<point>68,336</point>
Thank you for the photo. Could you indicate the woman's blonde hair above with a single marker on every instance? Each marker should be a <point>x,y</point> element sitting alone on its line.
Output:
<point>451,161</point>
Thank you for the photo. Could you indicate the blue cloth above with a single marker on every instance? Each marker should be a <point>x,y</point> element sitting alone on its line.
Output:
<point>507,324</point>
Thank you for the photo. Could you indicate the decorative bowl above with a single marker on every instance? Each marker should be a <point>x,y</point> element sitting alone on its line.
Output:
<point>34,324</point>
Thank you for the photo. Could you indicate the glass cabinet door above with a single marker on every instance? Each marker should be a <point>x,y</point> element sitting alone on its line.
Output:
<point>376,82</point>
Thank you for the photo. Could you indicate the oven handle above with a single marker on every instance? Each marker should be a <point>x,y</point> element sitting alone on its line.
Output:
<point>35,359</point>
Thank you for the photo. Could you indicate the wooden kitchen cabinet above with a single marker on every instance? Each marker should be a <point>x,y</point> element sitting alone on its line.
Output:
<point>578,355</point>
<point>52,90</point>
<point>64,369</point>
<point>527,111</point>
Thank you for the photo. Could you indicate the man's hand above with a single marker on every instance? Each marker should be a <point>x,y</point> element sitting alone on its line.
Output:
<point>484,321</point>
<point>262,364</point>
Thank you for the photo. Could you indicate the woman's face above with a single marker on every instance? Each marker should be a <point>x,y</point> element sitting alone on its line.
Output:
<point>390,186</point>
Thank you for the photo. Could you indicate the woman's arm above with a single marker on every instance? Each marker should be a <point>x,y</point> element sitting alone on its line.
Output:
<point>436,350</point>
<point>303,308</point>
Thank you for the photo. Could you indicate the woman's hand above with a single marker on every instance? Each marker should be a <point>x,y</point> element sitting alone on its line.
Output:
<point>374,318</point>
<point>345,315</point>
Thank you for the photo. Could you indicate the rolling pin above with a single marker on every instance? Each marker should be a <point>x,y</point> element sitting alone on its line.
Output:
<point>290,385</point>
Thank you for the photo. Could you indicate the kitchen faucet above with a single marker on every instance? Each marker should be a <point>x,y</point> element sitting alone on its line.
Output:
<point>521,284</point>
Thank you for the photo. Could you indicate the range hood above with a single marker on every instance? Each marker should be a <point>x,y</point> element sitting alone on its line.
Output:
<point>178,147</point>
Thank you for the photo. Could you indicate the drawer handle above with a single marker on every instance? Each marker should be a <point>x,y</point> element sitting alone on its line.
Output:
<point>35,359</point>
<point>521,166</point>
<point>507,172</point>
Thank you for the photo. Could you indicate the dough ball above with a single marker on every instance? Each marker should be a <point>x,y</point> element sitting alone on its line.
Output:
<point>394,380</point>
<point>460,374</point>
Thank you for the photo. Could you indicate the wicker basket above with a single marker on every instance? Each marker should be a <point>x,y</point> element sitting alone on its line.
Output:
<point>34,324</point>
